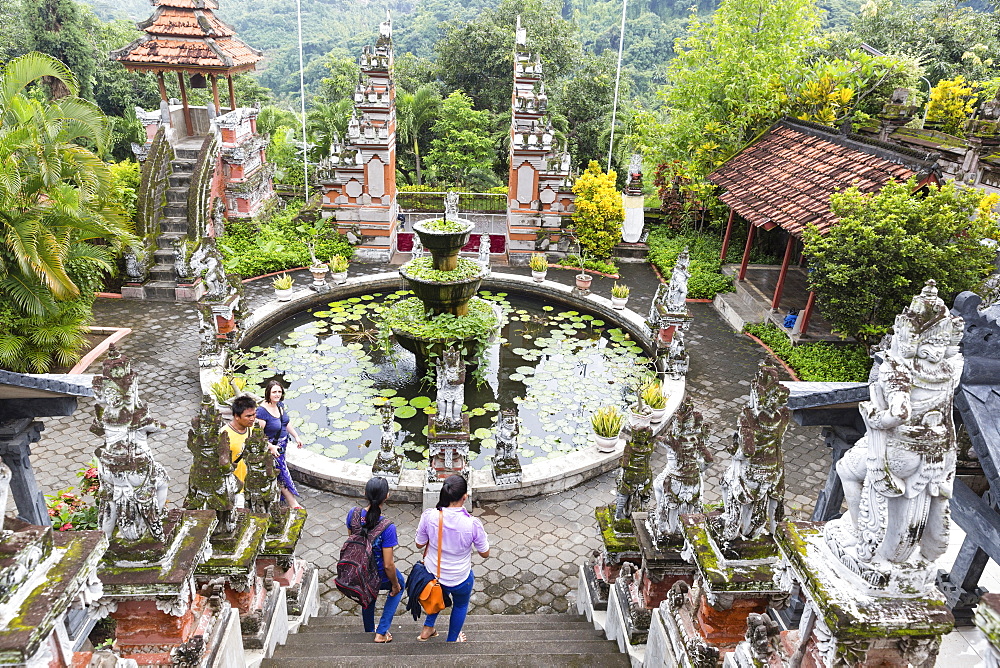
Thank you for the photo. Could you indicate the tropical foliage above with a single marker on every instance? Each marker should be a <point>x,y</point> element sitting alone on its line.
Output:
<point>597,219</point>
<point>816,362</point>
<point>55,199</point>
<point>887,245</point>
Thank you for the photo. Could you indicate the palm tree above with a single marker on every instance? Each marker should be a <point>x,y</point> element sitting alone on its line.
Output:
<point>414,113</point>
<point>55,198</point>
<point>326,120</point>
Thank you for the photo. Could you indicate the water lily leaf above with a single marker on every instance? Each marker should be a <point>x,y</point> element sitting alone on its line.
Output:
<point>360,425</point>
<point>476,412</point>
<point>482,433</point>
<point>491,406</point>
<point>398,401</point>
<point>387,392</point>
<point>548,308</point>
<point>420,402</point>
<point>404,412</point>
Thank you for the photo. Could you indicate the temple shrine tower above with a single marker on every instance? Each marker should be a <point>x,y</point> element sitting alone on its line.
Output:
<point>540,195</point>
<point>358,179</point>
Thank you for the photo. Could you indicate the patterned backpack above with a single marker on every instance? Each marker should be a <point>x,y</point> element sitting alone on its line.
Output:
<point>357,571</point>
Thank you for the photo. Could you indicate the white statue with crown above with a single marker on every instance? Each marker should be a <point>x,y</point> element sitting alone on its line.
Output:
<point>898,478</point>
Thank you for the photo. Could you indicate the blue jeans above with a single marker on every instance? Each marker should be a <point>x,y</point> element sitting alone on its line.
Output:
<point>460,595</point>
<point>391,603</point>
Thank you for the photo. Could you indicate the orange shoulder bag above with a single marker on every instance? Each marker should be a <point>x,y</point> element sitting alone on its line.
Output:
<point>432,596</point>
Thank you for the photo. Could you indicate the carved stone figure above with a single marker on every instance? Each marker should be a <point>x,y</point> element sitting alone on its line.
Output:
<point>506,465</point>
<point>753,487</point>
<point>133,485</point>
<point>678,488</point>
<point>261,484</point>
<point>207,336</point>
<point>211,483</point>
<point>635,475</point>
<point>389,463</point>
<point>899,476</point>
<point>206,262</point>
<point>181,266</point>
<point>676,297</point>
<point>676,361</point>
<point>762,631</point>
<point>450,389</point>
<point>418,248</point>
<point>451,204</point>
<point>136,264</point>
<point>484,251</point>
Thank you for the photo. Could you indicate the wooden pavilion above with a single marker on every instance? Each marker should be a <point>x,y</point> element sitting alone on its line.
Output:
<point>785,178</point>
<point>185,37</point>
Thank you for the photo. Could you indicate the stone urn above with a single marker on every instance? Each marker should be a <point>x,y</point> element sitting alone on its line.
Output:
<point>284,295</point>
<point>618,303</point>
<point>640,419</point>
<point>538,276</point>
<point>444,245</point>
<point>318,272</point>
<point>583,281</point>
<point>606,443</point>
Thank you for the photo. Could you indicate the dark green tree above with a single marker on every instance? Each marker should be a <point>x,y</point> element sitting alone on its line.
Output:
<point>462,150</point>
<point>61,29</point>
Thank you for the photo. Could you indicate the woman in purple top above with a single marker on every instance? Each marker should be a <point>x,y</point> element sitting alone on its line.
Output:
<point>274,419</point>
<point>376,492</point>
<point>461,533</point>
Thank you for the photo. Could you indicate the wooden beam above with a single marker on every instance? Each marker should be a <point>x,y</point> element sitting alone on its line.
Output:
<point>163,86</point>
<point>746,253</point>
<point>725,238</point>
<point>979,521</point>
<point>188,130</point>
<point>780,287</point>
<point>232,93</point>
<point>807,313</point>
<point>215,93</point>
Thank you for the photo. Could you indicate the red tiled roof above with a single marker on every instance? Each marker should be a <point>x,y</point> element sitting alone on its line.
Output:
<point>786,177</point>
<point>228,54</point>
<point>188,4</point>
<point>170,21</point>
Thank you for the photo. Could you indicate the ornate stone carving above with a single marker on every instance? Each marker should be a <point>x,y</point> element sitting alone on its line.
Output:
<point>418,248</point>
<point>634,475</point>
<point>206,262</point>
<point>389,463</point>
<point>898,478</point>
<point>450,389</point>
<point>181,266</point>
<point>675,301</point>
<point>261,484</point>
<point>677,489</point>
<point>484,252</point>
<point>207,337</point>
<point>753,487</point>
<point>451,204</point>
<point>676,360</point>
<point>133,485</point>
<point>762,632</point>
<point>211,483</point>
<point>136,264</point>
<point>506,465</point>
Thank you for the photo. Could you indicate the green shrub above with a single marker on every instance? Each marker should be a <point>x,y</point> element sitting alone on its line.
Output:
<point>253,248</point>
<point>706,279</point>
<point>603,266</point>
<point>818,362</point>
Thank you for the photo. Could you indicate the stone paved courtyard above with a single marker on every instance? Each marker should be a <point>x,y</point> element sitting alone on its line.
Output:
<point>537,544</point>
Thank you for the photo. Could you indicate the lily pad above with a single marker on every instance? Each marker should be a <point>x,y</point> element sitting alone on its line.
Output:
<point>420,402</point>
<point>482,433</point>
<point>404,412</point>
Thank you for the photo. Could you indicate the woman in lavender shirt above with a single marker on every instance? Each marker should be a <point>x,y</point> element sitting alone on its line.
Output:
<point>461,533</point>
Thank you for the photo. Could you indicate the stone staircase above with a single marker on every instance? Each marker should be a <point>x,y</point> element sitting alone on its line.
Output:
<point>162,281</point>
<point>493,640</point>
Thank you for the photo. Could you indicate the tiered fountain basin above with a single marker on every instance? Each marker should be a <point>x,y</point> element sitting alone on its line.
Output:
<point>327,372</point>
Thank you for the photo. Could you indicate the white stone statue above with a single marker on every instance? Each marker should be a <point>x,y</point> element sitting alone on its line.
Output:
<point>389,463</point>
<point>677,489</point>
<point>451,204</point>
<point>450,389</point>
<point>899,476</point>
<point>418,248</point>
<point>506,465</point>
<point>753,487</point>
<point>133,485</point>
<point>676,297</point>
<point>484,252</point>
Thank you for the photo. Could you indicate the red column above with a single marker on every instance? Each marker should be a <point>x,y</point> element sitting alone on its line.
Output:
<point>746,253</point>
<point>789,248</point>
<point>806,313</point>
<point>725,238</point>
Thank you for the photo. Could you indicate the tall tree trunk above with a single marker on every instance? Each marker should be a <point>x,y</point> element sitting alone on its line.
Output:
<point>416,151</point>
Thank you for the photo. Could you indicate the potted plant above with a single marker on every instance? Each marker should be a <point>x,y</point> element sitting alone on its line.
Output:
<point>312,231</point>
<point>283,287</point>
<point>619,295</point>
<point>640,414</point>
<point>607,422</point>
<point>539,264</point>
<point>583,279</point>
<point>653,397</point>
<point>224,390</point>
<point>338,269</point>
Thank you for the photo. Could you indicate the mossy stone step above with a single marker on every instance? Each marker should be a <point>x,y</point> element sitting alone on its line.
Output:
<point>407,635</point>
<point>505,660</point>
<point>525,621</point>
<point>408,624</point>
<point>469,649</point>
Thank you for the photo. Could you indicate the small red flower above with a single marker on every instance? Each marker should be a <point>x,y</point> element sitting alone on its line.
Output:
<point>66,527</point>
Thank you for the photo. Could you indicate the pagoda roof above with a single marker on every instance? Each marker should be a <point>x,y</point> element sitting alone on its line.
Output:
<point>184,35</point>
<point>786,176</point>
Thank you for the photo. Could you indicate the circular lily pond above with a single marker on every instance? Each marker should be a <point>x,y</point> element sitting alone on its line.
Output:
<point>554,366</point>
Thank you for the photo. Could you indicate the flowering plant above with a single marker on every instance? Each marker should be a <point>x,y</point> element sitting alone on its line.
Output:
<point>71,511</point>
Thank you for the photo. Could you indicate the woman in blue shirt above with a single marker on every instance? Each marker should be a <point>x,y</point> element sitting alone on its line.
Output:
<point>274,419</point>
<point>376,492</point>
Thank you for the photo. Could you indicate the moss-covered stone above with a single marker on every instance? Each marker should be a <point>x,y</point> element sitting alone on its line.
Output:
<point>616,536</point>
<point>719,572</point>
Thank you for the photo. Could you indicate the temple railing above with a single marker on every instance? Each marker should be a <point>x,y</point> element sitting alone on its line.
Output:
<point>467,202</point>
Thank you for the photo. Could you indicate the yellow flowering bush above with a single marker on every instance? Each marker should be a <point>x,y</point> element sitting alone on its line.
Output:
<point>599,212</point>
<point>952,102</point>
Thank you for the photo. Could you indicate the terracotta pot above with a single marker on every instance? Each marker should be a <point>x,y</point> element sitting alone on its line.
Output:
<point>619,302</point>
<point>583,281</point>
<point>283,295</point>
<point>606,443</point>
<point>539,276</point>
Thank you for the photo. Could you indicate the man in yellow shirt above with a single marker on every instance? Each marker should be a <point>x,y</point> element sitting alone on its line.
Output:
<point>237,429</point>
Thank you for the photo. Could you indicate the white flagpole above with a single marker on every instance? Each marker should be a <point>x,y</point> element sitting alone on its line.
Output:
<point>302,101</point>
<point>618,76</point>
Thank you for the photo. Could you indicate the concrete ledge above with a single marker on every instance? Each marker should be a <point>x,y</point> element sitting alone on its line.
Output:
<point>544,477</point>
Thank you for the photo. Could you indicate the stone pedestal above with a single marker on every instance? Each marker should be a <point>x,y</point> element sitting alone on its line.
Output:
<point>733,582</point>
<point>149,588</point>
<point>448,450</point>
<point>234,562</point>
<point>619,545</point>
<point>844,625</point>
<point>296,575</point>
<point>662,564</point>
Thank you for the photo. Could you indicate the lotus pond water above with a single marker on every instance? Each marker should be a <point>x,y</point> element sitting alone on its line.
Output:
<point>554,365</point>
